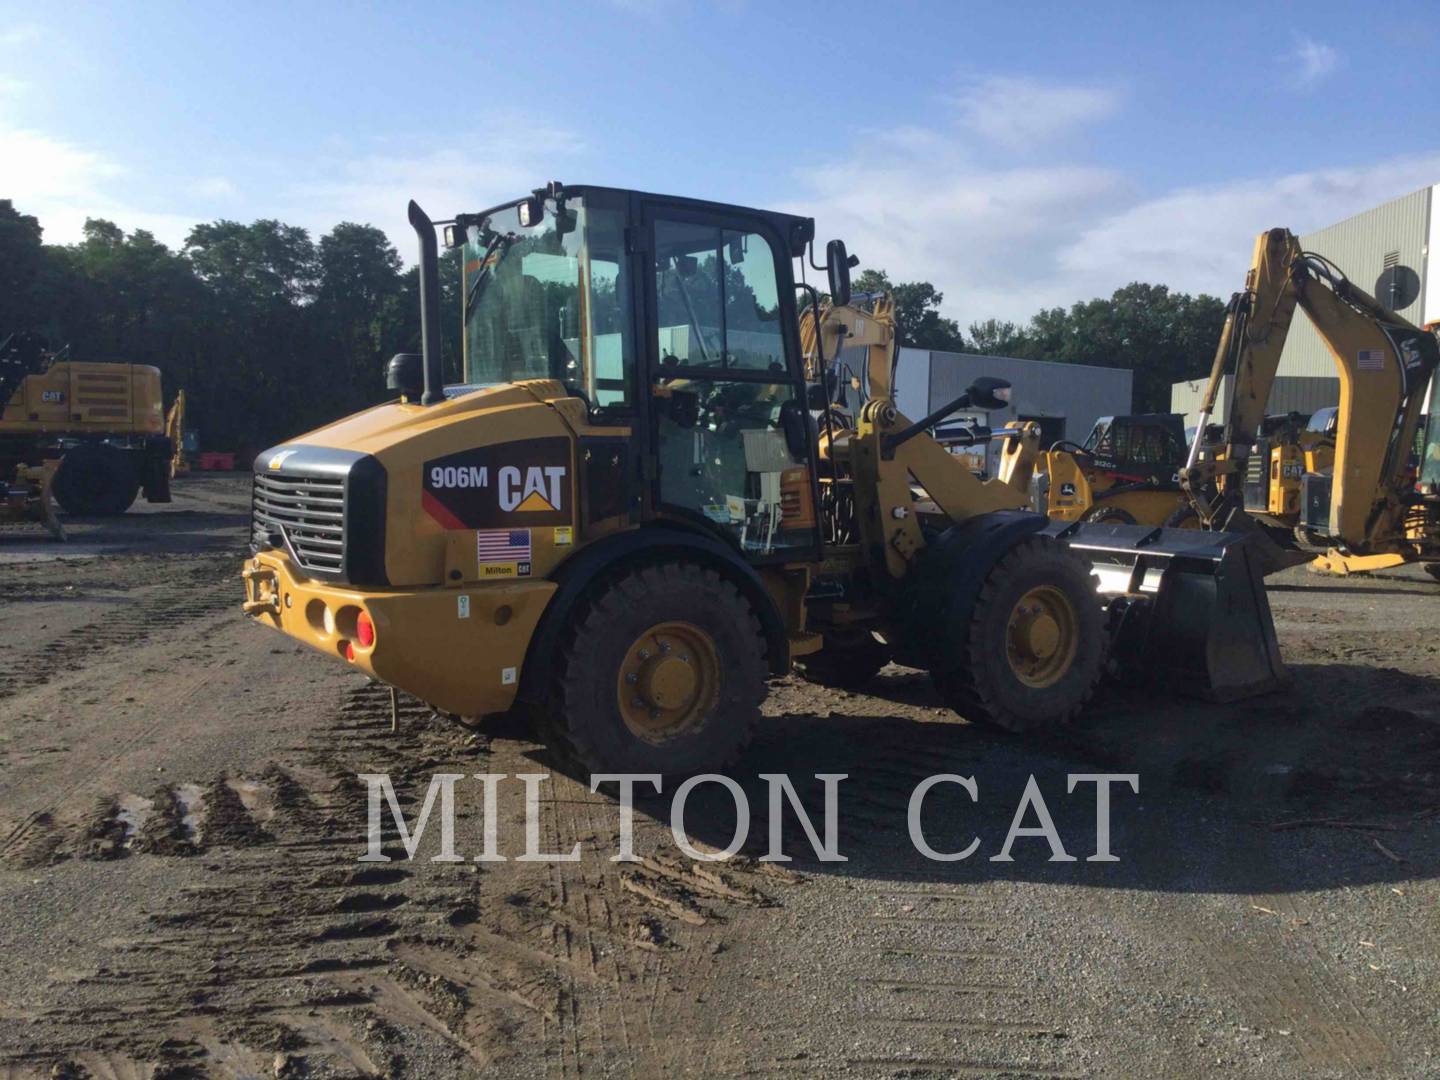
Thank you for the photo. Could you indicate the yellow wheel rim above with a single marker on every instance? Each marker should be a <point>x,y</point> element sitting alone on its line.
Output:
<point>669,681</point>
<point>1042,636</point>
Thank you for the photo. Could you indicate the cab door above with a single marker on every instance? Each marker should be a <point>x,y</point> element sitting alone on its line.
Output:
<point>731,440</point>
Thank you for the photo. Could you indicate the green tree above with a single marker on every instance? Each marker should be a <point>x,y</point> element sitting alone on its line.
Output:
<point>359,281</point>
<point>993,337</point>
<point>1163,337</point>
<point>21,259</point>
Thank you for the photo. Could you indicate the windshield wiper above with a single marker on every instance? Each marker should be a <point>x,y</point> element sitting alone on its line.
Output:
<point>486,267</point>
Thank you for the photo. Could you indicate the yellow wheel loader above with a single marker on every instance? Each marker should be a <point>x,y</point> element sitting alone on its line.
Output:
<point>637,507</point>
<point>103,425</point>
<point>1368,509</point>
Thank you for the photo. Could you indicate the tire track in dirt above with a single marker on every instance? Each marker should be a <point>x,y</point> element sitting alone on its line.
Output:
<point>189,592</point>
<point>397,961</point>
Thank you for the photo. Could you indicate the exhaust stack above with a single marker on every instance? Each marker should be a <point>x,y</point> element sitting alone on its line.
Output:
<point>430,349</point>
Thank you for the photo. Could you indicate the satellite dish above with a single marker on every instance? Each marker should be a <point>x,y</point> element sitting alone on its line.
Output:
<point>1397,287</point>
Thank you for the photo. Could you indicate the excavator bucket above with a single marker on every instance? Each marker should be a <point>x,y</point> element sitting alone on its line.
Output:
<point>1187,607</point>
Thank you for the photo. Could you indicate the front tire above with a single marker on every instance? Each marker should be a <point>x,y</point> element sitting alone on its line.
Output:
<point>1034,649</point>
<point>661,671</point>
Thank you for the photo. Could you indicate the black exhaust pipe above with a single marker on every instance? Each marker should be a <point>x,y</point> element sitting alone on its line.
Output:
<point>430,349</point>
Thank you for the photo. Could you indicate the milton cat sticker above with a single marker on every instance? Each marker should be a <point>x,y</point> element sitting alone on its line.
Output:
<point>516,484</point>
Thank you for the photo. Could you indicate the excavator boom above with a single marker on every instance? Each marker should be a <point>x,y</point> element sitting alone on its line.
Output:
<point>1384,364</point>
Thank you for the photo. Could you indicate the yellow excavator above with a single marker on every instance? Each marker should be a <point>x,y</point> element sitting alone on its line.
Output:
<point>1369,510</point>
<point>96,432</point>
<point>637,507</point>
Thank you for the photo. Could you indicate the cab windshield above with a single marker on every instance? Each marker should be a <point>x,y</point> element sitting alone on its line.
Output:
<point>549,301</point>
<point>1430,462</point>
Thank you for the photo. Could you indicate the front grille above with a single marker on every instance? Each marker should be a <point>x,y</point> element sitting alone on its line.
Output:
<point>308,512</point>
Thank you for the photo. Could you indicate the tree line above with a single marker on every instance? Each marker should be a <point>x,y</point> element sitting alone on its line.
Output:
<point>272,333</point>
<point>1163,337</point>
<point>269,332</point>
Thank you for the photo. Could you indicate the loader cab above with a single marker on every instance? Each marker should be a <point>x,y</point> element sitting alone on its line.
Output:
<point>674,321</point>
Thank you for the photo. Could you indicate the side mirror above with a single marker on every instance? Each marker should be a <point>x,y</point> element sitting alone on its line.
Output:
<point>989,393</point>
<point>530,211</point>
<point>801,431</point>
<point>837,263</point>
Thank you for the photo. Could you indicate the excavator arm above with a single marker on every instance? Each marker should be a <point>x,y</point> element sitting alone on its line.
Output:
<point>1384,364</point>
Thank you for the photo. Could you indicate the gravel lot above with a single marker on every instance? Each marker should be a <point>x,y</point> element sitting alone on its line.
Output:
<point>181,819</point>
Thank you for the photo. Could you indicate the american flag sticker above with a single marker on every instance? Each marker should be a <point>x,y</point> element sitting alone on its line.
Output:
<point>1370,360</point>
<point>503,552</point>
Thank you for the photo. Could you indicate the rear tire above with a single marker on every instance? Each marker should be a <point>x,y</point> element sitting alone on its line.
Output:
<point>662,670</point>
<point>1035,646</point>
<point>96,481</point>
<point>848,661</point>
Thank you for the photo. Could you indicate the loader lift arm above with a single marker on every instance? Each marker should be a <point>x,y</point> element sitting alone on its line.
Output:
<point>1384,364</point>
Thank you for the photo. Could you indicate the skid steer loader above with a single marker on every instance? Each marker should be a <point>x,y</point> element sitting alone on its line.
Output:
<point>636,508</point>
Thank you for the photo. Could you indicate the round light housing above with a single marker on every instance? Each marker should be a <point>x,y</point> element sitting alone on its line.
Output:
<point>365,630</point>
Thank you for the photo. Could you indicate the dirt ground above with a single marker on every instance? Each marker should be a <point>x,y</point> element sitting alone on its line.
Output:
<point>181,821</point>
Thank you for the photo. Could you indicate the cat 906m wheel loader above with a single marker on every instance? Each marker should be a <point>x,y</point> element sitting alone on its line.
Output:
<point>627,517</point>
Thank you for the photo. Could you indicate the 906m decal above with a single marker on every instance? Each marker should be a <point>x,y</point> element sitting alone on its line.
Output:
<point>513,484</point>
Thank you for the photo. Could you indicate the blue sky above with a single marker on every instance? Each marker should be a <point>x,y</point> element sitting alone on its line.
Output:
<point>1017,155</point>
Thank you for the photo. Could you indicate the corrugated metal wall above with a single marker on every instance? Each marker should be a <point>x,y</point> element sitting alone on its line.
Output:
<point>1077,392</point>
<point>1291,393</point>
<point>1359,246</point>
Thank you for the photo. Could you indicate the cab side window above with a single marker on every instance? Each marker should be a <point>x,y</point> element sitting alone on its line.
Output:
<point>717,299</point>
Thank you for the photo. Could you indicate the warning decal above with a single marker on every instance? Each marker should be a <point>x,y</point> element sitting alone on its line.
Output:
<point>516,484</point>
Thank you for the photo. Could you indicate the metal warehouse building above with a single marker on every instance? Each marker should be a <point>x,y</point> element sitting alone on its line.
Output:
<point>1065,399</point>
<point>1391,252</point>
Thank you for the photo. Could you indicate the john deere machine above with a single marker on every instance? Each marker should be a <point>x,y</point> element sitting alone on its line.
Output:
<point>637,507</point>
<point>99,426</point>
<point>1126,472</point>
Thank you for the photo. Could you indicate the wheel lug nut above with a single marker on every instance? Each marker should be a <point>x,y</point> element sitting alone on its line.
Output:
<point>632,678</point>
<point>664,646</point>
<point>639,703</point>
<point>644,654</point>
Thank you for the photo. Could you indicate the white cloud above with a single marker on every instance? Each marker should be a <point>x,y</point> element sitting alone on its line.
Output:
<point>469,173</point>
<point>1313,62</point>
<point>1021,113</point>
<point>1008,240</point>
<point>63,183</point>
<point>20,34</point>
<point>1200,239</point>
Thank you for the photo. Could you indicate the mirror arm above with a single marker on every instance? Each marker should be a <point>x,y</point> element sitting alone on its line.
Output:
<point>890,443</point>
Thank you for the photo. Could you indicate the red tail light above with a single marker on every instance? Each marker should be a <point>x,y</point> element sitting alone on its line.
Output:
<point>364,631</point>
<point>349,652</point>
